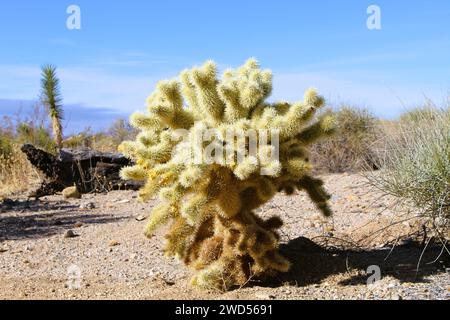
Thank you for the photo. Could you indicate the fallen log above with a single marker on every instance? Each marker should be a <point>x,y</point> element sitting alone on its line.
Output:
<point>88,170</point>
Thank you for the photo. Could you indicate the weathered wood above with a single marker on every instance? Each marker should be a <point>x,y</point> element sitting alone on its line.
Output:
<point>89,170</point>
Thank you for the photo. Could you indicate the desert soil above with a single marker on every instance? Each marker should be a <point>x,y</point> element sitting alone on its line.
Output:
<point>108,257</point>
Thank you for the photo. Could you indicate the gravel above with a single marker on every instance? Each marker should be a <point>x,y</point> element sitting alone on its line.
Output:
<point>38,250</point>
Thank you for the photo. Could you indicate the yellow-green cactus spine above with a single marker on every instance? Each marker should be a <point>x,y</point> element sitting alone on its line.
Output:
<point>210,201</point>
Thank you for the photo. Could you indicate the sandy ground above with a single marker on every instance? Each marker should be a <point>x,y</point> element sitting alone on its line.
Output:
<point>109,258</point>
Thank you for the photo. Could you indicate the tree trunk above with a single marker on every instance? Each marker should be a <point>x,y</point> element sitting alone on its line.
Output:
<point>88,170</point>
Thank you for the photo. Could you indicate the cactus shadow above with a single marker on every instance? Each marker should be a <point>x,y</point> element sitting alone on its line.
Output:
<point>313,263</point>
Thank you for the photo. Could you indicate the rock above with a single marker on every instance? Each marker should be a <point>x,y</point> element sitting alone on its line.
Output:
<point>309,224</point>
<point>78,224</point>
<point>8,202</point>
<point>140,218</point>
<point>87,206</point>
<point>71,193</point>
<point>69,234</point>
<point>114,243</point>
<point>123,201</point>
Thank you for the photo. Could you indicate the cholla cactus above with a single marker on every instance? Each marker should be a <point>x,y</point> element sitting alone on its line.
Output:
<point>210,201</point>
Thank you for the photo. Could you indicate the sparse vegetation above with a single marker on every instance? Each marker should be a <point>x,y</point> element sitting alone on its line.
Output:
<point>415,163</point>
<point>352,148</point>
<point>16,173</point>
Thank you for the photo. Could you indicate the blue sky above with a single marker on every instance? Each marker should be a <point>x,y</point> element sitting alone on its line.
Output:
<point>111,65</point>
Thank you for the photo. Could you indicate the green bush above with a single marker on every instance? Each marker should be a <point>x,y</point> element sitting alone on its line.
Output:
<point>36,135</point>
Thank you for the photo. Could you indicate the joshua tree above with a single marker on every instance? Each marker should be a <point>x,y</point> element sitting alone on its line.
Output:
<point>51,97</point>
<point>211,204</point>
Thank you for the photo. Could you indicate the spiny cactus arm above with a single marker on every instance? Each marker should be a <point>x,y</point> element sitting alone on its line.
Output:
<point>190,95</point>
<point>205,84</point>
<point>174,193</point>
<point>179,238</point>
<point>324,127</point>
<point>297,167</point>
<point>158,153</point>
<point>317,193</point>
<point>148,138</point>
<point>246,167</point>
<point>276,261</point>
<point>145,122</point>
<point>229,93</point>
<point>133,173</point>
<point>195,209</point>
<point>291,122</point>
<point>160,215</point>
<point>157,181</point>
<point>265,188</point>
<point>166,103</point>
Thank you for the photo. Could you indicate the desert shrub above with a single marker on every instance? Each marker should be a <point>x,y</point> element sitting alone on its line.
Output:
<point>419,114</point>
<point>37,136</point>
<point>16,173</point>
<point>211,203</point>
<point>84,139</point>
<point>415,163</point>
<point>120,131</point>
<point>6,146</point>
<point>107,141</point>
<point>351,149</point>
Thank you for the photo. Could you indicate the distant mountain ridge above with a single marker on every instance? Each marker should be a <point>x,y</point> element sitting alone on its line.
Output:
<point>76,117</point>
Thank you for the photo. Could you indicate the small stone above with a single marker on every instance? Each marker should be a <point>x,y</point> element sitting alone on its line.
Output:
<point>87,206</point>
<point>71,193</point>
<point>78,224</point>
<point>69,234</point>
<point>114,243</point>
<point>396,297</point>
<point>391,285</point>
<point>140,218</point>
<point>264,296</point>
<point>123,201</point>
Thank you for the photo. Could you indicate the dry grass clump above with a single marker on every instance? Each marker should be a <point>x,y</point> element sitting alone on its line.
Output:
<point>16,173</point>
<point>415,162</point>
<point>351,149</point>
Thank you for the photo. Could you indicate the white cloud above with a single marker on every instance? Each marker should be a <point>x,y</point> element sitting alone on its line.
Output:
<point>80,85</point>
<point>97,87</point>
